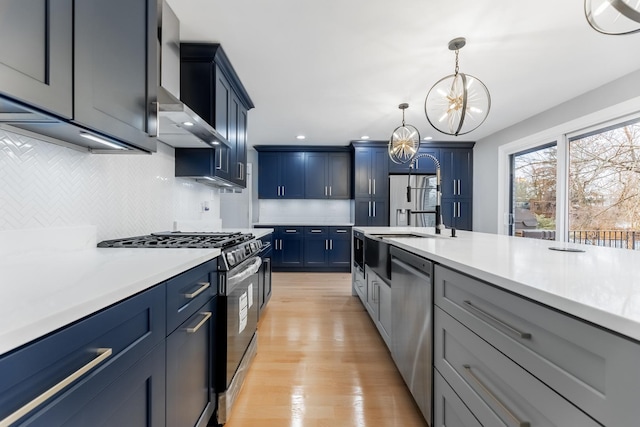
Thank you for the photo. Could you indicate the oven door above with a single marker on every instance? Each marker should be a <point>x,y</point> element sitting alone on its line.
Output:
<point>242,312</point>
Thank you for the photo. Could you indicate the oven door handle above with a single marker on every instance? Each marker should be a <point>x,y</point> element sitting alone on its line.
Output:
<point>243,272</point>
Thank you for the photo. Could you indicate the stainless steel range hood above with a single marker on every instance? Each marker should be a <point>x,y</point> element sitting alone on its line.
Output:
<point>179,125</point>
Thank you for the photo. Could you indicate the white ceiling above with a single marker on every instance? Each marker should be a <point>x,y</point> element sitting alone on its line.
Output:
<point>335,70</point>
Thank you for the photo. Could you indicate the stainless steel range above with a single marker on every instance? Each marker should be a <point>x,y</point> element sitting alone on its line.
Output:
<point>238,267</point>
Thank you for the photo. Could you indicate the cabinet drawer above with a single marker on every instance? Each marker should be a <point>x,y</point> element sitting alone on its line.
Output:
<point>87,356</point>
<point>589,366</point>
<point>448,409</point>
<point>290,230</point>
<point>316,231</point>
<point>497,390</point>
<point>189,291</point>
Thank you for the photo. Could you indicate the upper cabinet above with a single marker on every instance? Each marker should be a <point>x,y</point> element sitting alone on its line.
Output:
<point>327,175</point>
<point>280,175</point>
<point>211,87</point>
<point>371,176</point>
<point>296,172</point>
<point>457,172</point>
<point>36,54</point>
<point>69,70</point>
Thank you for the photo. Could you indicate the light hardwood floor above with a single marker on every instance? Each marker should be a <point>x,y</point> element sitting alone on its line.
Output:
<point>321,362</point>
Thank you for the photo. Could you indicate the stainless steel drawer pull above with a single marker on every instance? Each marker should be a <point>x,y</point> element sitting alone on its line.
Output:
<point>497,401</point>
<point>341,231</point>
<point>103,354</point>
<point>193,330</point>
<point>316,231</point>
<point>509,328</point>
<point>201,289</point>
<point>291,230</point>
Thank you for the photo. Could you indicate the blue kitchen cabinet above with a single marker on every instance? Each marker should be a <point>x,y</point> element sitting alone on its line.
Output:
<point>371,185</point>
<point>288,248</point>
<point>457,172</point>
<point>339,248</point>
<point>316,246</point>
<point>281,175</point>
<point>456,212</point>
<point>327,175</point>
<point>36,58</point>
<point>121,347</point>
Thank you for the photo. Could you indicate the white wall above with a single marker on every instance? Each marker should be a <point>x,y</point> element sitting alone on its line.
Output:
<point>45,185</point>
<point>593,104</point>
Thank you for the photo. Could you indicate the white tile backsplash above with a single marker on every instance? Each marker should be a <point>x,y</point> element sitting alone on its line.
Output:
<point>307,211</point>
<point>43,185</point>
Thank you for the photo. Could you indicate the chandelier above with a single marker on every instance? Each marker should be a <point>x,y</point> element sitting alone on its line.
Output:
<point>457,103</point>
<point>615,17</point>
<point>404,142</point>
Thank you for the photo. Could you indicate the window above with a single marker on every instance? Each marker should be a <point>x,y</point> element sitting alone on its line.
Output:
<point>533,192</point>
<point>604,187</point>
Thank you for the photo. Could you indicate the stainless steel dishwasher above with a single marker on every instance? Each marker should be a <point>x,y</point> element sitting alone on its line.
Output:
<point>412,325</point>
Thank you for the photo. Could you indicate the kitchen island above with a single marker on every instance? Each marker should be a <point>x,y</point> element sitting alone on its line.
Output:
<point>524,334</point>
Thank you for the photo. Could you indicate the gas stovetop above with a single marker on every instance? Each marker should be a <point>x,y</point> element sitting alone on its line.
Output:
<point>178,239</point>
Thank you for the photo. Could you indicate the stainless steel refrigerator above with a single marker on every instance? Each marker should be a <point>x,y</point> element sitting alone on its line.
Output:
<point>423,198</point>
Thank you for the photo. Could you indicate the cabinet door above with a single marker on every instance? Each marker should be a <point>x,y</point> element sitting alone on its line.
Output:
<point>457,172</point>
<point>448,409</point>
<point>379,213</point>
<point>291,247</point>
<point>115,67</point>
<point>380,174</point>
<point>241,145</point>
<point>135,399</point>
<point>223,96</point>
<point>457,213</point>
<point>384,311</point>
<point>292,175</point>
<point>363,211</point>
<point>316,250</point>
<point>36,53</point>
<point>316,182</point>
<point>362,172</point>
<point>268,175</point>
<point>340,246</point>
<point>339,175</point>
<point>189,368</point>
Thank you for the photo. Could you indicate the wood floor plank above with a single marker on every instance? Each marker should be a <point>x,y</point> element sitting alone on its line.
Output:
<point>321,362</point>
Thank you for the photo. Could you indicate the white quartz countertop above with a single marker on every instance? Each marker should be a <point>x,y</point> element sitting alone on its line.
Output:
<point>304,224</point>
<point>600,285</point>
<point>49,287</point>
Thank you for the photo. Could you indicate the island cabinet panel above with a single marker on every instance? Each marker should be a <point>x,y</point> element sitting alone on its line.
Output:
<point>105,349</point>
<point>378,304</point>
<point>591,367</point>
<point>36,54</point>
<point>497,390</point>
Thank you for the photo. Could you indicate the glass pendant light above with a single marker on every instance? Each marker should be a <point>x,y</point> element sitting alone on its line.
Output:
<point>404,142</point>
<point>458,103</point>
<point>614,17</point>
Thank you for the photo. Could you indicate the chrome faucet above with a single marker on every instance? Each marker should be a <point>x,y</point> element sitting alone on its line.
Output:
<point>439,223</point>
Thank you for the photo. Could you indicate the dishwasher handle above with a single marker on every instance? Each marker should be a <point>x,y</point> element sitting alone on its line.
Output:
<point>424,266</point>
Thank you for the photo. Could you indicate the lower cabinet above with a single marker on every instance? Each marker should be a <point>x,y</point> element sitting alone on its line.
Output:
<point>448,408</point>
<point>123,366</point>
<point>320,248</point>
<point>378,303</point>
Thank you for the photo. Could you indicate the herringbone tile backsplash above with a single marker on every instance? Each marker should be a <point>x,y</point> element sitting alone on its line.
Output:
<point>46,185</point>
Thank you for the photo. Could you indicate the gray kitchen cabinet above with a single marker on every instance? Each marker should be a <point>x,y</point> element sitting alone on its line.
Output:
<point>498,391</point>
<point>359,284</point>
<point>448,409</point>
<point>378,305</point>
<point>589,366</point>
<point>36,54</point>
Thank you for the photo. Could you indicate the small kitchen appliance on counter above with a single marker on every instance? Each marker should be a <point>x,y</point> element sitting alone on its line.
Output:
<point>239,268</point>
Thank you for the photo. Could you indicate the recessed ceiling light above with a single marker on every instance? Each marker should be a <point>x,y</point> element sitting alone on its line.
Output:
<point>301,137</point>
<point>101,141</point>
<point>365,137</point>
<point>187,123</point>
<point>427,138</point>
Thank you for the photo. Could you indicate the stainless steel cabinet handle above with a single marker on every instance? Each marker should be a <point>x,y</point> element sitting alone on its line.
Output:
<point>509,328</point>
<point>193,330</point>
<point>325,191</point>
<point>457,209</point>
<point>369,186</point>
<point>374,186</point>
<point>326,245</point>
<point>201,289</point>
<point>218,154</point>
<point>375,287</point>
<point>369,213</point>
<point>330,191</point>
<point>497,401</point>
<point>316,231</point>
<point>341,231</point>
<point>374,209</point>
<point>290,230</point>
<point>458,181</point>
<point>103,354</point>
<point>331,244</point>
<point>278,190</point>
<point>283,187</point>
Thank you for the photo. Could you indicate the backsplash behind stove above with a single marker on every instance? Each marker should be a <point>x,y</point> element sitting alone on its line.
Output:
<point>46,185</point>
